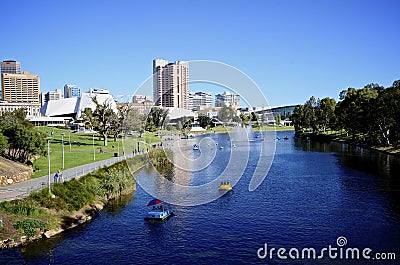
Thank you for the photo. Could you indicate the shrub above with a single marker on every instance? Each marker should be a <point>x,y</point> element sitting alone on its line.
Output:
<point>30,226</point>
<point>75,194</point>
<point>22,207</point>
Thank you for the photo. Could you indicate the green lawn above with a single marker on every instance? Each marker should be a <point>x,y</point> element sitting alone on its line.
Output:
<point>275,128</point>
<point>79,149</point>
<point>263,128</point>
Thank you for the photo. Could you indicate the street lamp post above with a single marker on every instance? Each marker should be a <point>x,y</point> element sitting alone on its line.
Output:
<point>62,143</point>
<point>48,161</point>
<point>69,139</point>
<point>118,145</point>
<point>94,150</point>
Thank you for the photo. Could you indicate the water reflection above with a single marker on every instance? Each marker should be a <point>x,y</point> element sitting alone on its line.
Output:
<point>383,169</point>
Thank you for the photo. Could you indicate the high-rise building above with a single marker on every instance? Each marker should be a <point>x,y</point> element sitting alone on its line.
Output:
<point>171,83</point>
<point>24,88</point>
<point>71,91</point>
<point>11,67</point>
<point>227,99</point>
<point>51,95</point>
<point>198,99</point>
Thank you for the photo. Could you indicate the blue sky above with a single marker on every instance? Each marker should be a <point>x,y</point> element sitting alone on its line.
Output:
<point>291,49</point>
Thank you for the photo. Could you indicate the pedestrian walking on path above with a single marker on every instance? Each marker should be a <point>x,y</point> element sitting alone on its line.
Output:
<point>56,176</point>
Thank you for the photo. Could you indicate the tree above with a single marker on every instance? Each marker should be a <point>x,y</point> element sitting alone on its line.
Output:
<point>156,119</point>
<point>326,117</point>
<point>298,118</point>
<point>355,110</point>
<point>226,114</point>
<point>104,118</point>
<point>3,142</point>
<point>310,119</point>
<point>254,117</point>
<point>244,119</point>
<point>385,116</point>
<point>179,125</point>
<point>205,121</point>
<point>262,116</point>
<point>187,122</point>
<point>19,140</point>
<point>134,121</point>
<point>88,119</point>
<point>117,122</point>
<point>278,119</point>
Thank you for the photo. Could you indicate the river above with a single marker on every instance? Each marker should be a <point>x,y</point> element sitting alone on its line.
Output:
<point>313,194</point>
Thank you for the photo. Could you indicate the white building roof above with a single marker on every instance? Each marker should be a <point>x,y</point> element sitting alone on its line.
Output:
<point>75,106</point>
<point>177,113</point>
<point>87,102</point>
<point>61,107</point>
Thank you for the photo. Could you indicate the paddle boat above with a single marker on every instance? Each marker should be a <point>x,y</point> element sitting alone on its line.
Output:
<point>225,185</point>
<point>158,211</point>
<point>195,147</point>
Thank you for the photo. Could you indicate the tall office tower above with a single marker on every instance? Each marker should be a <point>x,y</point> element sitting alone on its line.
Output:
<point>11,67</point>
<point>23,87</point>
<point>171,83</point>
<point>71,91</point>
<point>198,99</point>
<point>227,99</point>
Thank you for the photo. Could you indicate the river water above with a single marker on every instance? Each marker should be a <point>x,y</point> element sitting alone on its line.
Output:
<point>313,194</point>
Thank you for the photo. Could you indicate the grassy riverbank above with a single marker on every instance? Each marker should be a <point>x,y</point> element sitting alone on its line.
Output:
<point>79,149</point>
<point>71,203</point>
<point>341,137</point>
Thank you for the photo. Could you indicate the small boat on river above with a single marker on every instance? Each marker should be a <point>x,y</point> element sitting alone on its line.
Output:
<point>158,211</point>
<point>225,185</point>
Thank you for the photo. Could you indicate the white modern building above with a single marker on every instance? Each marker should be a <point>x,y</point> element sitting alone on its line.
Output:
<point>31,109</point>
<point>227,99</point>
<point>51,95</point>
<point>198,99</point>
<point>74,106</point>
<point>102,95</point>
<point>71,91</point>
<point>140,98</point>
<point>171,83</point>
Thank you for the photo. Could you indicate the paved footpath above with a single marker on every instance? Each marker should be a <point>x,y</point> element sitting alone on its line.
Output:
<point>23,189</point>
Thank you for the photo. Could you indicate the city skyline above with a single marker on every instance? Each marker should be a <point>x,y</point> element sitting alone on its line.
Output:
<point>292,50</point>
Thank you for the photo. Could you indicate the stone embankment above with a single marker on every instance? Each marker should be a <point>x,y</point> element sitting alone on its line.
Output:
<point>12,172</point>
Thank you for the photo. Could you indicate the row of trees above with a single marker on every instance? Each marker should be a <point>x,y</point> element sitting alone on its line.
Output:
<point>19,140</point>
<point>109,123</point>
<point>371,114</point>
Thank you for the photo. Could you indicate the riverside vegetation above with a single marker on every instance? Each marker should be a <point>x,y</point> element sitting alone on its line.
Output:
<point>73,202</point>
<point>70,203</point>
<point>368,116</point>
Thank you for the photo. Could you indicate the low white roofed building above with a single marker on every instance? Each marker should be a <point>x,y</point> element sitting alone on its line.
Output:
<point>178,113</point>
<point>87,101</point>
<point>73,107</point>
<point>66,107</point>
